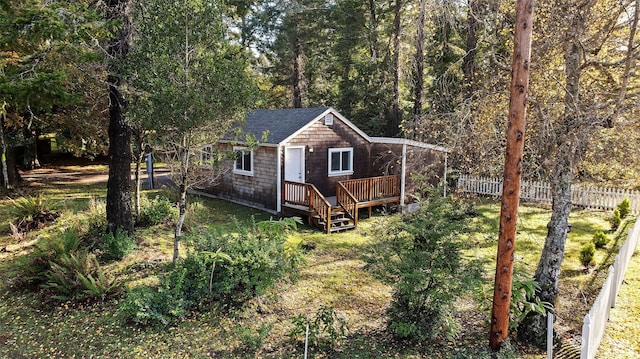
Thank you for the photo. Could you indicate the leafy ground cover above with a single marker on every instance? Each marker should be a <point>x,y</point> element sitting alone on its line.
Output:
<point>333,278</point>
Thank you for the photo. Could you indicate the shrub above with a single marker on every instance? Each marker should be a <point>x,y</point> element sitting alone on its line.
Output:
<point>258,256</point>
<point>624,207</point>
<point>252,339</point>
<point>600,239</point>
<point>615,219</point>
<point>116,247</point>
<point>227,267</point>
<point>188,282</point>
<point>587,253</point>
<point>182,289</point>
<point>325,326</point>
<point>150,307</point>
<point>421,256</point>
<point>155,210</point>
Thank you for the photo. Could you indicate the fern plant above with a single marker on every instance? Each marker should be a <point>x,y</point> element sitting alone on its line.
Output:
<point>31,206</point>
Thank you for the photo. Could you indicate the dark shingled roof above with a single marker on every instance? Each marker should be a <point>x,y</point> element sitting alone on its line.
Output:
<point>280,123</point>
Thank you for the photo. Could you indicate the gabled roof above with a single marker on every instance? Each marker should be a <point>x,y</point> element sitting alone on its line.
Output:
<point>281,124</point>
<point>284,124</point>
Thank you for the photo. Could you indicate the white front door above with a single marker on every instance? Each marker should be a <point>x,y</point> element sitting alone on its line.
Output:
<point>294,164</point>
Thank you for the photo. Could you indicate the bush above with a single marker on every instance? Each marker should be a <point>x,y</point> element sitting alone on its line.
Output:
<point>116,247</point>
<point>226,267</point>
<point>600,239</point>
<point>150,307</point>
<point>324,327</point>
<point>155,210</point>
<point>250,338</point>
<point>624,207</point>
<point>182,289</point>
<point>587,253</point>
<point>258,256</point>
<point>615,219</point>
<point>421,256</point>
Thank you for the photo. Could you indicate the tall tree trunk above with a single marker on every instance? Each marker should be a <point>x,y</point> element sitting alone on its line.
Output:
<point>512,172</point>
<point>298,66</point>
<point>471,45</point>
<point>373,31</point>
<point>418,66</point>
<point>119,215</point>
<point>395,116</point>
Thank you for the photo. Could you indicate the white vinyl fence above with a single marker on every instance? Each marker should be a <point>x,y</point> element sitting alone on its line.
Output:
<point>596,320</point>
<point>533,191</point>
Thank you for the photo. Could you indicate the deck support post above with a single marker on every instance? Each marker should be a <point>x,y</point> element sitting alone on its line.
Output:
<point>279,185</point>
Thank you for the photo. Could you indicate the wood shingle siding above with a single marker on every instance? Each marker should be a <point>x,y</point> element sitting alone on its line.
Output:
<point>292,133</point>
<point>259,189</point>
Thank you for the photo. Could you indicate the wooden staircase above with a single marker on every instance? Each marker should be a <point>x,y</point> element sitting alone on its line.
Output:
<point>351,195</point>
<point>339,221</point>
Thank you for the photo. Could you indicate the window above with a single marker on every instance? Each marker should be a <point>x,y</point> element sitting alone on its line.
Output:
<point>340,161</point>
<point>206,156</point>
<point>244,161</point>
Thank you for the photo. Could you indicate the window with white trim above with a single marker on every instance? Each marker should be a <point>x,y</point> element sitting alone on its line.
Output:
<point>340,161</point>
<point>244,161</point>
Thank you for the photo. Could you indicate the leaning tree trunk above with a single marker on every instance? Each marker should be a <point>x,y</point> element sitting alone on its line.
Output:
<point>571,147</point>
<point>119,215</point>
<point>534,328</point>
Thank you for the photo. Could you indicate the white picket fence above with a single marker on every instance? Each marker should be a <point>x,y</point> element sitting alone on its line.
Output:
<point>533,191</point>
<point>596,320</point>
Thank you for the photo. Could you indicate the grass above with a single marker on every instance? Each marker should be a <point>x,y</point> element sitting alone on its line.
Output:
<point>333,275</point>
<point>621,334</point>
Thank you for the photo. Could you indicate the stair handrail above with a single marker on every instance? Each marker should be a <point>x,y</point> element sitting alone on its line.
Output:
<point>320,205</point>
<point>348,202</point>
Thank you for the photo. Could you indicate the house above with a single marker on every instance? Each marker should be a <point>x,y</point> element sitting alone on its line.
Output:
<point>317,163</point>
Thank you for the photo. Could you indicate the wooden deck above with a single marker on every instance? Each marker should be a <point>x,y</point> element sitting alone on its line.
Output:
<point>351,196</point>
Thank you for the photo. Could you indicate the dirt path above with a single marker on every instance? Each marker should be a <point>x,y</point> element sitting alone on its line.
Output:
<point>91,174</point>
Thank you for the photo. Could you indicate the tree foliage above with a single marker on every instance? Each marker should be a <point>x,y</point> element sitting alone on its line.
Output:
<point>191,84</point>
<point>50,74</point>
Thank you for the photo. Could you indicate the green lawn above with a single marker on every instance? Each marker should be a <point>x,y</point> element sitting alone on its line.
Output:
<point>333,275</point>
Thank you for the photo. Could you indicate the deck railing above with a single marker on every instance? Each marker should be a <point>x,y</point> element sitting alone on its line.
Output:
<point>373,188</point>
<point>306,194</point>
<point>348,201</point>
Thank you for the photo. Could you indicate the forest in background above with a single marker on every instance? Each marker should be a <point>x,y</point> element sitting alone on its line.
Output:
<point>431,70</point>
